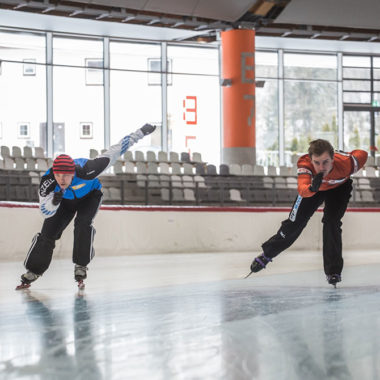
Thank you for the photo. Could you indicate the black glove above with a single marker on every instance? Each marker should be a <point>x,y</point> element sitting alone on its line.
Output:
<point>316,182</point>
<point>147,129</point>
<point>57,198</point>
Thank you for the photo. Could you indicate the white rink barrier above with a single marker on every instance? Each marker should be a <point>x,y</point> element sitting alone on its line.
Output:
<point>133,230</point>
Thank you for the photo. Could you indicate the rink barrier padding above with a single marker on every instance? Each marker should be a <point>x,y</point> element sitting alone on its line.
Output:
<point>189,208</point>
<point>135,230</point>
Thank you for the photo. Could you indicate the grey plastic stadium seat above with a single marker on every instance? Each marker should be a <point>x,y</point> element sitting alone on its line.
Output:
<point>211,169</point>
<point>188,195</point>
<point>5,152</point>
<point>30,164</point>
<point>39,152</point>
<point>370,171</point>
<point>187,168</point>
<point>370,161</point>
<point>366,196</point>
<point>258,170</point>
<point>235,169</point>
<point>128,156</point>
<point>176,168</point>
<point>235,195</point>
<point>363,184</point>
<point>164,168</point>
<point>176,181</point>
<point>42,165</point>
<point>118,167</point>
<point>284,171</point>
<point>162,156</point>
<point>153,180</point>
<point>93,153</point>
<point>28,152</point>
<point>164,180</point>
<point>280,183</point>
<point>151,156</point>
<point>199,181</point>
<point>224,169</point>
<point>139,156</point>
<point>200,169</point>
<point>187,181</point>
<point>196,157</point>
<point>268,182</point>
<point>185,157</point>
<point>248,169</point>
<point>165,194</point>
<point>173,157</point>
<point>291,182</point>
<point>129,167</point>
<point>177,195</point>
<point>141,180</point>
<point>106,194</point>
<point>16,151</point>
<point>141,167</point>
<point>152,168</point>
<point>114,194</point>
<point>19,163</point>
<point>271,170</point>
<point>8,163</point>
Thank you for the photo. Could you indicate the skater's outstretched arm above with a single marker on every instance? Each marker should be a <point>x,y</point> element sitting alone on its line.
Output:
<point>92,168</point>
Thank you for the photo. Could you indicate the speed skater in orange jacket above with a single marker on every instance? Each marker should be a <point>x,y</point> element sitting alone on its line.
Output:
<point>323,177</point>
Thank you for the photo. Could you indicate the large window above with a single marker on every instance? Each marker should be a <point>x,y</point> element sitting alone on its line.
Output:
<point>267,143</point>
<point>22,88</point>
<point>135,100</point>
<point>194,102</point>
<point>310,103</point>
<point>77,95</point>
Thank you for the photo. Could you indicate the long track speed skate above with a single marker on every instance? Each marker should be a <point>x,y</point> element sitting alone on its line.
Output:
<point>80,274</point>
<point>333,279</point>
<point>26,280</point>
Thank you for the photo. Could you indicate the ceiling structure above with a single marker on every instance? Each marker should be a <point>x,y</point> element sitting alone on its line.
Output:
<point>349,20</point>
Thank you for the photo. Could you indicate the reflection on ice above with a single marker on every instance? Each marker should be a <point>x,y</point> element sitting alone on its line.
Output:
<point>289,326</point>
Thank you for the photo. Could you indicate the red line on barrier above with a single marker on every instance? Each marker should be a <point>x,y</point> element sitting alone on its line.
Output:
<point>189,208</point>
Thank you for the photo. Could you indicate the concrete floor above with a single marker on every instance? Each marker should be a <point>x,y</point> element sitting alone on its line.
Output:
<point>193,316</point>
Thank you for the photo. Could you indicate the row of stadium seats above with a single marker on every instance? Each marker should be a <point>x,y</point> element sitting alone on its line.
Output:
<point>151,156</point>
<point>25,152</point>
<point>131,188</point>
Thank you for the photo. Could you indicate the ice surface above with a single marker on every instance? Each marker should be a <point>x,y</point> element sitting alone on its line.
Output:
<point>192,316</point>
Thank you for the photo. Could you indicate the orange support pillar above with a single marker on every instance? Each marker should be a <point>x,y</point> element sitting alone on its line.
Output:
<point>238,74</point>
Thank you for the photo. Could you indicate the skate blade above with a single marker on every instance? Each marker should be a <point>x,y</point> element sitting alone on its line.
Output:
<point>247,275</point>
<point>22,286</point>
<point>81,285</point>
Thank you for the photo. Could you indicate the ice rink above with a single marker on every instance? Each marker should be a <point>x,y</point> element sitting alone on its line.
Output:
<point>192,316</point>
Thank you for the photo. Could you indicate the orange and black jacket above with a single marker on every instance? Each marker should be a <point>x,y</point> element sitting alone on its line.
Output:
<point>344,165</point>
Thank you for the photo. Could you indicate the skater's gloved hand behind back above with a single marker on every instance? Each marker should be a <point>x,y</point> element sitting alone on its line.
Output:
<point>57,198</point>
<point>316,182</point>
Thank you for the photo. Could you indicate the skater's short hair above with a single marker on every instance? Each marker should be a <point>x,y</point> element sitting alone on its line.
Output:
<point>320,146</point>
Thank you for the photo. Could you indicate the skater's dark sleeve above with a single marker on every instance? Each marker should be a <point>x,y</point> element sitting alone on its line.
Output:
<point>46,195</point>
<point>92,168</point>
